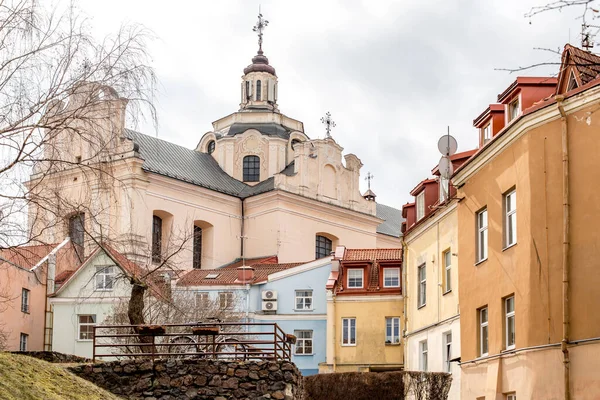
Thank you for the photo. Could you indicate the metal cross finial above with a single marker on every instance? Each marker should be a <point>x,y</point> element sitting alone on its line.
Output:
<point>259,27</point>
<point>368,178</point>
<point>329,123</point>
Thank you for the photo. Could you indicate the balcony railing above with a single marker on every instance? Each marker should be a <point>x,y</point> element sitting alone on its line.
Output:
<point>223,340</point>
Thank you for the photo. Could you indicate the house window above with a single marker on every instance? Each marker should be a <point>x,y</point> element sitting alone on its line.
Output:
<point>572,82</point>
<point>304,342</point>
<point>201,300</point>
<point>510,218</point>
<point>77,229</point>
<point>323,247</point>
<point>391,277</point>
<point>511,396</point>
<point>211,147</point>
<point>420,205</point>
<point>197,260</point>
<point>304,299</point>
<point>23,341</point>
<point>225,300</point>
<point>486,133</point>
<point>447,257</point>
<point>156,239</point>
<point>448,351</point>
<point>348,331</point>
<point>482,235</point>
<point>392,330</point>
<point>25,300</point>
<point>423,355</point>
<point>251,169</point>
<point>483,331</point>
<point>258,90</point>
<point>422,295</point>
<point>355,278</point>
<point>86,326</point>
<point>514,109</point>
<point>509,309</point>
<point>105,277</point>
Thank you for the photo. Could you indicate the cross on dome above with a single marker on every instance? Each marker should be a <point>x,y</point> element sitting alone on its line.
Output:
<point>258,28</point>
<point>329,123</point>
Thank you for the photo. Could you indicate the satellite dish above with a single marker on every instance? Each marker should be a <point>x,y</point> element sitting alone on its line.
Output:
<point>447,145</point>
<point>445,167</point>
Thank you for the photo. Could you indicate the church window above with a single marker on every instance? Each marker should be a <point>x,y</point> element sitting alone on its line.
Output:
<point>323,247</point>
<point>248,89</point>
<point>251,168</point>
<point>76,230</point>
<point>295,142</point>
<point>197,262</point>
<point>156,238</point>
<point>258,91</point>
<point>211,147</point>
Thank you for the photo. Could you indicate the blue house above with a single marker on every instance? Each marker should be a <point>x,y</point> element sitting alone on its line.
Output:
<point>291,295</point>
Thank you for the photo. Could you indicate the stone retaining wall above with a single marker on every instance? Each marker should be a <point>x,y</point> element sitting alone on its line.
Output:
<point>167,379</point>
<point>53,356</point>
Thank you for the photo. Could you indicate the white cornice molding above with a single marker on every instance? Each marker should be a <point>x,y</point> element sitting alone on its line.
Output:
<point>521,127</point>
<point>368,298</point>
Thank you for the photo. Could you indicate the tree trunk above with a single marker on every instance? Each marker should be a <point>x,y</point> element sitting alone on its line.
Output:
<point>135,312</point>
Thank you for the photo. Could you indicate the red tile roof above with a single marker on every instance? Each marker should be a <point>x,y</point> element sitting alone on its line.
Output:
<point>238,262</point>
<point>372,254</point>
<point>63,276</point>
<point>229,276</point>
<point>586,64</point>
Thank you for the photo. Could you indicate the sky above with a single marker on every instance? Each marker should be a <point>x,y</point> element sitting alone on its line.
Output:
<point>393,74</point>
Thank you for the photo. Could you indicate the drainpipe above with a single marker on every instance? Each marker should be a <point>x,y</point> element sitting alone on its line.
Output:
<point>404,291</point>
<point>242,237</point>
<point>334,333</point>
<point>566,245</point>
<point>48,318</point>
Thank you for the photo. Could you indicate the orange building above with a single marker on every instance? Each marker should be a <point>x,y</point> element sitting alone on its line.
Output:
<point>528,239</point>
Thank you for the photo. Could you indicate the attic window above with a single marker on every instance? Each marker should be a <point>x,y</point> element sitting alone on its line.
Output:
<point>420,205</point>
<point>212,276</point>
<point>514,109</point>
<point>211,147</point>
<point>486,133</point>
<point>572,82</point>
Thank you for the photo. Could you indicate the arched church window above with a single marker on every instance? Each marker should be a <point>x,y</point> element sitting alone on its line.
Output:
<point>197,261</point>
<point>323,247</point>
<point>251,169</point>
<point>211,147</point>
<point>295,142</point>
<point>248,90</point>
<point>156,238</point>
<point>258,90</point>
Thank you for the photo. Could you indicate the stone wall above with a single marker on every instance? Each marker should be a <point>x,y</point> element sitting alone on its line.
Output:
<point>167,379</point>
<point>53,356</point>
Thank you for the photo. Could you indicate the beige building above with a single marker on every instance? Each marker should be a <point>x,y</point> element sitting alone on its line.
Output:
<point>528,264</point>
<point>256,185</point>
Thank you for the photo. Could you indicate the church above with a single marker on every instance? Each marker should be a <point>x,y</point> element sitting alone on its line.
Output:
<point>255,186</point>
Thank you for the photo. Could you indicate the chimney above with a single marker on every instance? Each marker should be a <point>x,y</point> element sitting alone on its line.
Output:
<point>245,274</point>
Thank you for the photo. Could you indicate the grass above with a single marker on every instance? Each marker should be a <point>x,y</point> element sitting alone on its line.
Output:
<point>25,378</point>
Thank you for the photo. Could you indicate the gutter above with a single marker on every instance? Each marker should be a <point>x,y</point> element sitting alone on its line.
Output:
<point>566,245</point>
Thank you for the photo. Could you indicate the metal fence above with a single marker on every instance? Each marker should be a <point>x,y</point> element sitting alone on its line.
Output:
<point>223,340</point>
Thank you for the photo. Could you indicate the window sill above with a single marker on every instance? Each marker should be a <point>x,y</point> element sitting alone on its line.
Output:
<point>446,292</point>
<point>393,344</point>
<point>85,340</point>
<point>304,355</point>
<point>421,306</point>
<point>349,345</point>
<point>303,310</point>
<point>25,312</point>
<point>481,261</point>
<point>509,246</point>
<point>508,349</point>
<point>103,290</point>
<point>391,287</point>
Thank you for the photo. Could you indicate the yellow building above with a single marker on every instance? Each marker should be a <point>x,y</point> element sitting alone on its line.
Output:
<point>528,238</point>
<point>364,311</point>
<point>432,317</point>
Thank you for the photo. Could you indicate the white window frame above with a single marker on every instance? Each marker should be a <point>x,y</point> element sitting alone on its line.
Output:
<point>25,294</point>
<point>80,324</point>
<point>509,114</point>
<point>482,235</point>
<point>484,325</point>
<point>510,218</point>
<point>396,276</point>
<point>420,205</point>
<point>422,287</point>
<point>303,295</point>
<point>347,331</point>
<point>227,298</point>
<point>511,396</point>
<point>508,315</point>
<point>486,133</point>
<point>447,257</point>
<point>23,341</point>
<point>302,340</point>
<point>201,299</point>
<point>423,356</point>
<point>362,277</point>
<point>448,351</point>
<point>105,278</point>
<point>393,323</point>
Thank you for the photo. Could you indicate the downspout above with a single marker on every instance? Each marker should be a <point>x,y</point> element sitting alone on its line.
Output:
<point>334,332</point>
<point>405,303</point>
<point>566,245</point>
<point>242,237</point>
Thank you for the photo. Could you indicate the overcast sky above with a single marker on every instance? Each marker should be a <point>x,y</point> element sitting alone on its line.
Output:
<point>394,74</point>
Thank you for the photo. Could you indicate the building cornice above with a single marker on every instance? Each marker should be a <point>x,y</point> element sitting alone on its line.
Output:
<point>433,219</point>
<point>369,298</point>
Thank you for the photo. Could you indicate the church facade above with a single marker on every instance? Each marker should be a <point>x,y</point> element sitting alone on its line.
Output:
<point>256,185</point>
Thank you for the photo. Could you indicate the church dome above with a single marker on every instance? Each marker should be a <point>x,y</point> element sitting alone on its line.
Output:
<point>260,63</point>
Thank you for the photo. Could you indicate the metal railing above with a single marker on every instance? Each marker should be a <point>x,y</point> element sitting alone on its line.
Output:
<point>222,340</point>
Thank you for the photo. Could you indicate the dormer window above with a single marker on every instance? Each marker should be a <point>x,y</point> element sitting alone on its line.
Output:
<point>486,133</point>
<point>514,109</point>
<point>211,147</point>
<point>420,205</point>
<point>258,90</point>
<point>572,82</point>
